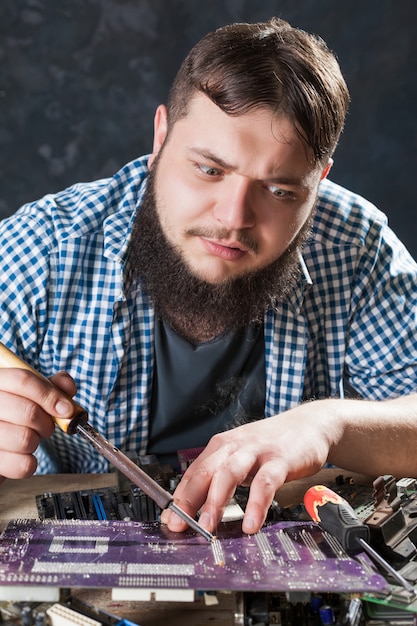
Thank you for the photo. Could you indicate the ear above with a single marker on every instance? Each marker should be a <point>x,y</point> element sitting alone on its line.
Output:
<point>327,169</point>
<point>160,127</point>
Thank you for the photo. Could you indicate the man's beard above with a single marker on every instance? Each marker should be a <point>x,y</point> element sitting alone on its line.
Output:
<point>197,309</point>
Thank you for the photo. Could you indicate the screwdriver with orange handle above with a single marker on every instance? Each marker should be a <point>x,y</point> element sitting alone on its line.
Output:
<point>335,515</point>
<point>79,424</point>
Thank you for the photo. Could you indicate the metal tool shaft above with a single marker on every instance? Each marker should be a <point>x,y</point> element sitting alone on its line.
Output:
<point>137,476</point>
<point>388,568</point>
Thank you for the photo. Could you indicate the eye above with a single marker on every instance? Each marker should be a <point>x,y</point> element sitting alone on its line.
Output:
<point>278,192</point>
<point>209,170</point>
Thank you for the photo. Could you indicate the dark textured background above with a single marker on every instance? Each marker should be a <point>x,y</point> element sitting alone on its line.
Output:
<point>80,79</point>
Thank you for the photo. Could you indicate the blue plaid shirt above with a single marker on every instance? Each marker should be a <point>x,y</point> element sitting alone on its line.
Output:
<point>68,302</point>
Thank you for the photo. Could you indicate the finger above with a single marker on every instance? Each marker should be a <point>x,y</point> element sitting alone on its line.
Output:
<point>220,493</point>
<point>211,483</point>
<point>17,438</point>
<point>41,391</point>
<point>16,466</point>
<point>188,498</point>
<point>262,492</point>
<point>165,516</point>
<point>20,411</point>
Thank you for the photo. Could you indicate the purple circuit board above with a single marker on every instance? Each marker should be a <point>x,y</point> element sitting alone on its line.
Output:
<point>286,556</point>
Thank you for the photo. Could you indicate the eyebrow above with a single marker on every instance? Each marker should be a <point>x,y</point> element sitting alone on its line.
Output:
<point>210,156</point>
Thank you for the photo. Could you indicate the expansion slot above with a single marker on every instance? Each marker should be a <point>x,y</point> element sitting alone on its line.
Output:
<point>60,615</point>
<point>98,507</point>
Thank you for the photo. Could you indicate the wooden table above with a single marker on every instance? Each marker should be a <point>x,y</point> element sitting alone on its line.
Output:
<point>17,501</point>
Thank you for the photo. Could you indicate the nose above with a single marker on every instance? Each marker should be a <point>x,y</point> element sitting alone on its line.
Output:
<point>234,206</point>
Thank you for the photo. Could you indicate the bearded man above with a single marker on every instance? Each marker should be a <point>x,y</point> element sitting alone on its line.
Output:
<point>219,293</point>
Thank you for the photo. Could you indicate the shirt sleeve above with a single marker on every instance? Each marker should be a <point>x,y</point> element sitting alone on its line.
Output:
<point>381,354</point>
<point>25,242</point>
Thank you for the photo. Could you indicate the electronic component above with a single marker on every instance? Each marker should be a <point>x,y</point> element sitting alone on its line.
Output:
<point>126,502</point>
<point>393,521</point>
<point>61,615</point>
<point>293,556</point>
<point>334,514</point>
<point>69,612</point>
<point>310,576</point>
<point>98,504</point>
<point>187,456</point>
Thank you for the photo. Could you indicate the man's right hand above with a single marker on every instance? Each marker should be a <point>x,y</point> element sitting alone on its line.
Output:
<point>26,405</point>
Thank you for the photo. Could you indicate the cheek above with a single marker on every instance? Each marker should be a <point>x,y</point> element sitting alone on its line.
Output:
<point>297,223</point>
<point>181,205</point>
<point>177,210</point>
<point>281,231</point>
<point>283,228</point>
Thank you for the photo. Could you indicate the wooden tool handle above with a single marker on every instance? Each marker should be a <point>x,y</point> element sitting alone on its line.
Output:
<point>8,359</point>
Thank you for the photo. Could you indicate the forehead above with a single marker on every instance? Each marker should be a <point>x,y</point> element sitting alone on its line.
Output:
<point>259,143</point>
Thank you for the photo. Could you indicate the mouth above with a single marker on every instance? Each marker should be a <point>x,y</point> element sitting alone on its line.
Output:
<point>227,250</point>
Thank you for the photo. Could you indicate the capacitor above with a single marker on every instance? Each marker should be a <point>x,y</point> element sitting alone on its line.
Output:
<point>40,619</point>
<point>316,602</point>
<point>326,615</point>
<point>173,483</point>
<point>26,615</point>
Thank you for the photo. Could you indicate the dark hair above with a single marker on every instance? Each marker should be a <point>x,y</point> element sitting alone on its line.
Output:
<point>243,66</point>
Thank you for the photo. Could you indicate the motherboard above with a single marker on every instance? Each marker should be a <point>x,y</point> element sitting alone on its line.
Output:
<point>286,556</point>
<point>291,572</point>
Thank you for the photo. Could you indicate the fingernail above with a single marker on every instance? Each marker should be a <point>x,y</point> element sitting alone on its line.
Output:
<point>175,521</point>
<point>165,516</point>
<point>64,408</point>
<point>204,520</point>
<point>249,525</point>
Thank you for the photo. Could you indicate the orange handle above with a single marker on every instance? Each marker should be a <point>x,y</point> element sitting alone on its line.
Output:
<point>8,359</point>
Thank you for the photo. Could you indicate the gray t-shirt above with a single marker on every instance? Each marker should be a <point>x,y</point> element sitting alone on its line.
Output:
<point>205,388</point>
